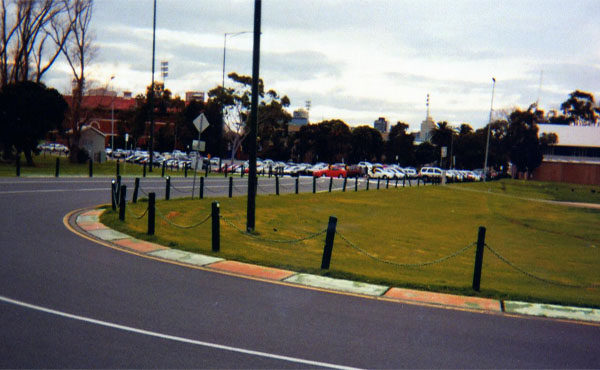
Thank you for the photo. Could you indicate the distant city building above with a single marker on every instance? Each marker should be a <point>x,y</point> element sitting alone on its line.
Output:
<point>101,92</point>
<point>299,119</point>
<point>194,96</point>
<point>381,125</point>
<point>427,126</point>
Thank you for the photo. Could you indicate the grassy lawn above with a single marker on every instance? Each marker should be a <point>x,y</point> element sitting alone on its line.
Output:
<point>409,226</point>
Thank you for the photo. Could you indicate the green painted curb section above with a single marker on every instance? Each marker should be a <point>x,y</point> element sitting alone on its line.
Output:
<point>108,234</point>
<point>554,311</point>
<point>185,257</point>
<point>337,284</point>
<point>87,219</point>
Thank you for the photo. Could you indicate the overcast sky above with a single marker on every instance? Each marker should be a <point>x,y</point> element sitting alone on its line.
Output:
<point>358,60</point>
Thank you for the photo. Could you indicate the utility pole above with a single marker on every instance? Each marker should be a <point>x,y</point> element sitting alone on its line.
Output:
<point>151,95</point>
<point>252,181</point>
<point>487,143</point>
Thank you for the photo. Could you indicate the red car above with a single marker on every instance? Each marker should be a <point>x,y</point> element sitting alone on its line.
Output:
<point>332,171</point>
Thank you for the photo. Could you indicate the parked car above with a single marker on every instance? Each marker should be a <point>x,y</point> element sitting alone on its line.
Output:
<point>331,171</point>
<point>428,173</point>
<point>356,171</point>
<point>377,172</point>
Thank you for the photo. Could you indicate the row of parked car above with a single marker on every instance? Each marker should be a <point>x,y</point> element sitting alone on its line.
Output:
<point>53,148</point>
<point>180,160</point>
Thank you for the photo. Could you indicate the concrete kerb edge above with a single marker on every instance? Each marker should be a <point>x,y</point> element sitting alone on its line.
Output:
<point>323,283</point>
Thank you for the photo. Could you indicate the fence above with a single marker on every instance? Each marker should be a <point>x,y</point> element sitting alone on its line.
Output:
<point>119,201</point>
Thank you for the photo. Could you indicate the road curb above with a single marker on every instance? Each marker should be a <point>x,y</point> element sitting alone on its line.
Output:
<point>88,223</point>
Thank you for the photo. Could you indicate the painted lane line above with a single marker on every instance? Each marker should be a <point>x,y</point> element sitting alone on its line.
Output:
<point>172,337</point>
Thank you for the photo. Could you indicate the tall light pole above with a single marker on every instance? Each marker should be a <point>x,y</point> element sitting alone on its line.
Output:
<point>112,120</point>
<point>231,34</point>
<point>252,180</point>
<point>487,144</point>
<point>152,91</point>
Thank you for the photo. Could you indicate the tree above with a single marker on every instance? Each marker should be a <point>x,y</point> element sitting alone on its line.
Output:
<point>580,108</point>
<point>425,153</point>
<point>32,35</point>
<point>522,139</point>
<point>367,144</point>
<point>272,117</point>
<point>273,125</point>
<point>400,145</point>
<point>28,110</point>
<point>78,51</point>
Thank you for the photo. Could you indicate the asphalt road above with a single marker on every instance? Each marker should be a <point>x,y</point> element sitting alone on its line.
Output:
<point>66,301</point>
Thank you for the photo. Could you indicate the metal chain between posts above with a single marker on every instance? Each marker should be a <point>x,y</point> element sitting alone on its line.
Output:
<point>397,264</point>
<point>263,189</point>
<point>207,189</point>
<point>116,196</point>
<point>178,190</point>
<point>535,277</point>
<point>182,226</point>
<point>136,216</point>
<point>287,187</point>
<point>290,241</point>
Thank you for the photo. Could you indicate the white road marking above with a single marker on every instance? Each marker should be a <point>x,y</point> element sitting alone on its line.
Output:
<point>172,337</point>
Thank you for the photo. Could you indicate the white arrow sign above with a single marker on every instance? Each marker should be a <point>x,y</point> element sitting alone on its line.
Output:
<point>201,123</point>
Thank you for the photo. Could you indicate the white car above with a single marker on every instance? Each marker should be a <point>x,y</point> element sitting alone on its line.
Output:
<point>380,173</point>
<point>431,172</point>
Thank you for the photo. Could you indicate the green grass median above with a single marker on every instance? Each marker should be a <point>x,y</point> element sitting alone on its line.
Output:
<point>381,231</point>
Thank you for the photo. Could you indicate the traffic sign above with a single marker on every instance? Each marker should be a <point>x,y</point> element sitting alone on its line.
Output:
<point>200,122</point>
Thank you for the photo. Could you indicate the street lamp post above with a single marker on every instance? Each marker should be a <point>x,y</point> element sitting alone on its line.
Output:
<point>112,120</point>
<point>152,91</point>
<point>487,143</point>
<point>252,180</point>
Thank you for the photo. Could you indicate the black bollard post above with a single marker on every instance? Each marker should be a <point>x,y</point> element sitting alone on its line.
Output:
<point>396,182</point>
<point>57,168</point>
<point>185,169</point>
<point>18,164</point>
<point>216,237</point>
<point>325,262</point>
<point>478,258</point>
<point>314,184</point>
<point>151,212</point>
<point>368,182</point>
<point>230,187</point>
<point>404,181</point>
<point>168,188</point>
<point>113,191</point>
<point>122,202</point>
<point>136,189</point>
<point>378,181</point>
<point>344,187</point>
<point>242,171</point>
<point>330,183</point>
<point>118,168</point>
<point>201,187</point>
<point>297,184</point>
<point>387,183</point>
<point>144,171</point>
<point>276,184</point>
<point>356,183</point>
<point>270,171</point>
<point>91,168</point>
<point>164,165</point>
